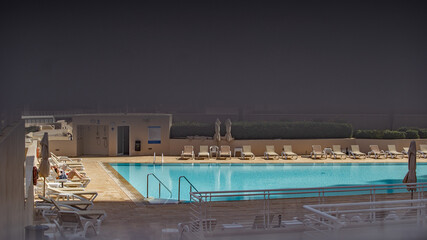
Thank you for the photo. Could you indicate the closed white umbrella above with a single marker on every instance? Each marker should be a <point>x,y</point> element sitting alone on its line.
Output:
<point>44,167</point>
<point>411,176</point>
<point>217,136</point>
<point>228,136</point>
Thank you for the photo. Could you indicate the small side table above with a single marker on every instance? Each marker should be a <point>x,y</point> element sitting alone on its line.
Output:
<point>238,150</point>
<point>61,181</point>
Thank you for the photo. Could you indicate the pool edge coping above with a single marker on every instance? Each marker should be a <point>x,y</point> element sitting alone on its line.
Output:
<point>134,195</point>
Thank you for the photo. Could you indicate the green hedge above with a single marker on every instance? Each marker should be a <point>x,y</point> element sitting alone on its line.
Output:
<point>267,130</point>
<point>379,134</point>
<point>388,134</point>
<point>423,133</point>
<point>292,130</point>
<point>412,134</point>
<point>184,129</point>
<point>32,129</point>
<point>369,134</point>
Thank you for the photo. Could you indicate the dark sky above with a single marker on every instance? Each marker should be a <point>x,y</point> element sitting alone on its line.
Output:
<point>304,56</point>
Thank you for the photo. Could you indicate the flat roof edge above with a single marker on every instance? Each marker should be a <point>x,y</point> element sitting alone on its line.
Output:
<point>120,114</point>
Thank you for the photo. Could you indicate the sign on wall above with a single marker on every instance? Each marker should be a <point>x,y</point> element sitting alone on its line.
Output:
<point>154,135</point>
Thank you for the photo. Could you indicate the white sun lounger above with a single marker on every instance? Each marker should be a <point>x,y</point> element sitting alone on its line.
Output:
<point>204,152</point>
<point>356,153</point>
<point>225,152</point>
<point>247,152</point>
<point>288,153</point>
<point>317,152</point>
<point>376,152</point>
<point>392,152</point>
<point>336,152</point>
<point>423,150</point>
<point>188,152</point>
<point>269,152</point>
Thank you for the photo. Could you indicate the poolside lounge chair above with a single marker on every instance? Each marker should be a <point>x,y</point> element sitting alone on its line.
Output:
<point>405,152</point>
<point>65,158</point>
<point>224,152</point>
<point>262,221</point>
<point>71,226</point>
<point>356,153</point>
<point>317,152</point>
<point>270,152</point>
<point>375,150</point>
<point>77,165</point>
<point>70,193</point>
<point>77,202</point>
<point>392,152</point>
<point>204,152</point>
<point>95,214</point>
<point>336,152</point>
<point>67,184</point>
<point>188,152</point>
<point>203,225</point>
<point>287,152</point>
<point>423,150</point>
<point>206,225</point>
<point>247,152</point>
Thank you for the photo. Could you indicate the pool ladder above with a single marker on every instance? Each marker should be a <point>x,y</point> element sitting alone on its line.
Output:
<point>179,186</point>
<point>192,187</point>
<point>160,185</point>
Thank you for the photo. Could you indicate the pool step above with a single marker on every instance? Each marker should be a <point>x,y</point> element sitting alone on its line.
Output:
<point>161,201</point>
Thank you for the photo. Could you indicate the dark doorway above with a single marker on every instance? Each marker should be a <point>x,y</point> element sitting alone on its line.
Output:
<point>123,140</point>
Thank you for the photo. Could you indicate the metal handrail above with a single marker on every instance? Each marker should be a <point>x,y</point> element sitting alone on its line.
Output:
<point>160,184</point>
<point>179,186</point>
<point>292,191</point>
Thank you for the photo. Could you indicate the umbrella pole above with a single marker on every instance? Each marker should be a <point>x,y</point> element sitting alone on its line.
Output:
<point>44,186</point>
<point>412,194</point>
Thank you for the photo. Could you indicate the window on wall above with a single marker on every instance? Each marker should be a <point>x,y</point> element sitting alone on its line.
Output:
<point>154,135</point>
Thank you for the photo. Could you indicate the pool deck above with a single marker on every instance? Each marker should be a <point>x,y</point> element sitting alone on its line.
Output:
<point>127,220</point>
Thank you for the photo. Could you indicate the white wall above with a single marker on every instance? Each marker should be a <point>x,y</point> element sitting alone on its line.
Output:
<point>138,130</point>
<point>12,205</point>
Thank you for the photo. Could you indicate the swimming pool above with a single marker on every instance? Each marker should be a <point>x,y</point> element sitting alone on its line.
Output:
<point>224,177</point>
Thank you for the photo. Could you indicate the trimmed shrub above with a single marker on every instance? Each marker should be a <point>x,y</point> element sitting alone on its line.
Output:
<point>379,134</point>
<point>412,134</point>
<point>290,130</point>
<point>423,133</point>
<point>184,129</point>
<point>267,130</point>
<point>32,129</point>
<point>369,134</point>
<point>404,129</point>
<point>388,134</point>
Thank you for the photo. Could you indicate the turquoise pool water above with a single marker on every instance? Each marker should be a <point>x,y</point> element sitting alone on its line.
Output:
<point>223,177</point>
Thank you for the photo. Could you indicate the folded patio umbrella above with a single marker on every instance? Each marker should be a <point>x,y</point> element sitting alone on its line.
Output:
<point>217,136</point>
<point>44,167</point>
<point>411,176</point>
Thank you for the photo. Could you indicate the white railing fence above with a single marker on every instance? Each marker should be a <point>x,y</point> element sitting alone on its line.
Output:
<point>332,217</point>
<point>272,209</point>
